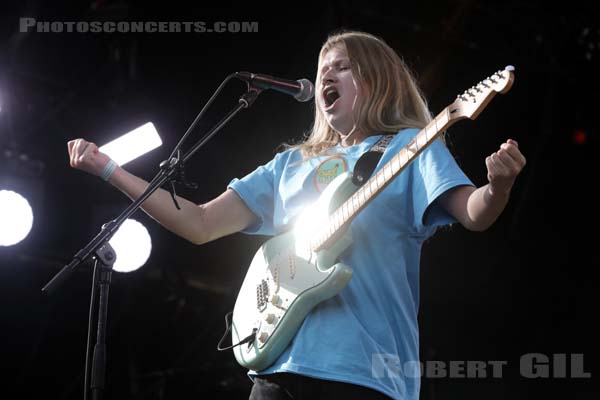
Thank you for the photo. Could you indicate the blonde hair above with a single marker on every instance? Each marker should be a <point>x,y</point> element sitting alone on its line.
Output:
<point>391,99</point>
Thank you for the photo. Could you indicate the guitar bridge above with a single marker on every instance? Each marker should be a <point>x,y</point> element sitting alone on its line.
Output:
<point>262,295</point>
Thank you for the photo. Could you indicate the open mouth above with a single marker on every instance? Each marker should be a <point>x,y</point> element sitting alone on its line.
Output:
<point>330,96</point>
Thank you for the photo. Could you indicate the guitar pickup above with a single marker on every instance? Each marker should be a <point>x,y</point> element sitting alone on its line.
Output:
<point>262,295</point>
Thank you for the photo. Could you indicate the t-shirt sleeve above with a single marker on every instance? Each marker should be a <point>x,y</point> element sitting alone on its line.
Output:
<point>435,172</point>
<point>257,190</point>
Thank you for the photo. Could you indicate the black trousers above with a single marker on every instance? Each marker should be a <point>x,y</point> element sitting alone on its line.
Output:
<point>286,386</point>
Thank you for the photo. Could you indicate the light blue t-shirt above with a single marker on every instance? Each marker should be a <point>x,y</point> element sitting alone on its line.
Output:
<point>367,334</point>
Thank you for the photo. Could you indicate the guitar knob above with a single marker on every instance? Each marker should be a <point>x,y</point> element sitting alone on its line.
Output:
<point>270,318</point>
<point>275,300</point>
<point>263,337</point>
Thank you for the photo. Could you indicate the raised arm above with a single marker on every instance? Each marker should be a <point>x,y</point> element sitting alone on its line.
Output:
<point>198,223</point>
<point>477,209</point>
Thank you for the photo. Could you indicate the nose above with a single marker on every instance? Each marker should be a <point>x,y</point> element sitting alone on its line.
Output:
<point>328,76</point>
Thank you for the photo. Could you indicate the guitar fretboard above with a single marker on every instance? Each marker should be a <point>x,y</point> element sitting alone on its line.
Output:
<point>344,214</point>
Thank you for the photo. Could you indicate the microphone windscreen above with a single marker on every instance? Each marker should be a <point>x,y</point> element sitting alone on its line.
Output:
<point>307,92</point>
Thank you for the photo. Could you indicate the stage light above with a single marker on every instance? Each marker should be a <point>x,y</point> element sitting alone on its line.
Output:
<point>16,218</point>
<point>579,136</point>
<point>133,144</point>
<point>133,245</point>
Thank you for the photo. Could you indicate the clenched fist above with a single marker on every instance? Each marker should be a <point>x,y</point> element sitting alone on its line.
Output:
<point>85,156</point>
<point>503,166</point>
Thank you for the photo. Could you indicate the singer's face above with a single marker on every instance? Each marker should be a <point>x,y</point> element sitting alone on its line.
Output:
<point>338,92</point>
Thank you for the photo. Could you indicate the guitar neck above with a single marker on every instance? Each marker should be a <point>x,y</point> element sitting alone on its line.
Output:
<point>344,214</point>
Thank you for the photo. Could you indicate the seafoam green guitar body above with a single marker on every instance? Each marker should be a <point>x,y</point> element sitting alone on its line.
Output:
<point>286,280</point>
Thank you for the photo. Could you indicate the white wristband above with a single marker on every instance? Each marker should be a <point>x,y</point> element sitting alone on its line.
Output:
<point>109,168</point>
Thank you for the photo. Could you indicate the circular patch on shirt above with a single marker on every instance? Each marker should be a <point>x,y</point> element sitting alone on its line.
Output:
<point>328,170</point>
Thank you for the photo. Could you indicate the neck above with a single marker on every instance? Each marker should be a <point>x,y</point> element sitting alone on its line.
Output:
<point>353,138</point>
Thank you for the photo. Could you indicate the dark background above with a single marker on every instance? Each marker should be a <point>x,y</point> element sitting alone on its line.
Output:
<point>524,286</point>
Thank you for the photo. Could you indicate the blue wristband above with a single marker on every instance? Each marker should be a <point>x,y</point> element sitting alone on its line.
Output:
<point>109,168</point>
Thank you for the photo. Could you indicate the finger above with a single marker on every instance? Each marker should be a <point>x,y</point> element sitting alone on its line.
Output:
<point>511,166</point>
<point>70,145</point>
<point>514,152</point>
<point>488,165</point>
<point>506,159</point>
<point>498,166</point>
<point>492,167</point>
<point>79,148</point>
<point>74,151</point>
<point>512,141</point>
<point>74,146</point>
<point>86,151</point>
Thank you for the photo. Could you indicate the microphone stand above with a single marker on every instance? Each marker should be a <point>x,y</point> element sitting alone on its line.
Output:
<point>171,170</point>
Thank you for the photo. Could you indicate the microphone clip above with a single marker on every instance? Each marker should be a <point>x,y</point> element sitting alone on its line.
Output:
<point>248,98</point>
<point>177,176</point>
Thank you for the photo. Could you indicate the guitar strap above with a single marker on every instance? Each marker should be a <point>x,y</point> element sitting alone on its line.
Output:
<point>368,161</point>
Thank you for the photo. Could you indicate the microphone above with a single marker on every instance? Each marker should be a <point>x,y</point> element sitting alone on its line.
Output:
<point>301,90</point>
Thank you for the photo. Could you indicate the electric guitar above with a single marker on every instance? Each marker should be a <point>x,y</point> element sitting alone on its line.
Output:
<point>293,272</point>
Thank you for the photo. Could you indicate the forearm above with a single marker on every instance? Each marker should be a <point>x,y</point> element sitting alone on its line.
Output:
<point>484,206</point>
<point>160,206</point>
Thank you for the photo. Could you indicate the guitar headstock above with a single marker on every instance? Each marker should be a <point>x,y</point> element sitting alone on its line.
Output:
<point>470,103</point>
